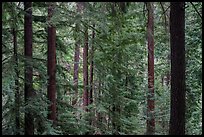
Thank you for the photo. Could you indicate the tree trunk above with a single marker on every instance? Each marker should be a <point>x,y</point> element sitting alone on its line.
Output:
<point>85,71</point>
<point>51,66</point>
<point>91,68</point>
<point>150,96</point>
<point>29,121</point>
<point>99,94</point>
<point>76,69</point>
<point>91,77</point>
<point>76,59</point>
<point>177,40</point>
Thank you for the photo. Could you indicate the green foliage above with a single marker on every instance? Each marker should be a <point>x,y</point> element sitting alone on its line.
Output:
<point>193,70</point>
<point>120,68</point>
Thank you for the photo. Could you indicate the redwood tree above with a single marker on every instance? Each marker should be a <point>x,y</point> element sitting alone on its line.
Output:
<point>51,65</point>
<point>150,96</point>
<point>85,71</point>
<point>29,121</point>
<point>91,67</point>
<point>177,41</point>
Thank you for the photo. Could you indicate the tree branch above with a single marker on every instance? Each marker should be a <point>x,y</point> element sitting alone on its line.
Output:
<point>196,9</point>
<point>165,22</point>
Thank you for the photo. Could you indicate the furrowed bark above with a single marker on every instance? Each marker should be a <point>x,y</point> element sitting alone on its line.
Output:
<point>177,41</point>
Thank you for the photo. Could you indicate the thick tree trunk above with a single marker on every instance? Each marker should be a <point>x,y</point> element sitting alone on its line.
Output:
<point>29,122</point>
<point>150,96</point>
<point>85,72</point>
<point>177,40</point>
<point>17,96</point>
<point>51,66</point>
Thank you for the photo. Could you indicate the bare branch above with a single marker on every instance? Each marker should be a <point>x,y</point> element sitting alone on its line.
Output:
<point>196,10</point>
<point>164,15</point>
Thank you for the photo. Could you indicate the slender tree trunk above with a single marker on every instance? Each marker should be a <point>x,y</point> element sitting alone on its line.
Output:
<point>17,97</point>
<point>150,96</point>
<point>76,59</point>
<point>51,66</point>
<point>91,68</point>
<point>29,121</point>
<point>76,70</point>
<point>91,76</point>
<point>85,71</point>
<point>98,114</point>
<point>177,40</point>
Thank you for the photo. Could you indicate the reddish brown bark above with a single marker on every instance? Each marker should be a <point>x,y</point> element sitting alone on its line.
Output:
<point>150,96</point>
<point>76,71</point>
<point>85,72</point>
<point>177,41</point>
<point>91,68</point>
<point>51,66</point>
<point>29,122</point>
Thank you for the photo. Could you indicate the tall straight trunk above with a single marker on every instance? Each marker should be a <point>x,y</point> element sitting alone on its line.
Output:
<point>177,41</point>
<point>85,72</point>
<point>51,65</point>
<point>76,71</point>
<point>76,58</point>
<point>91,67</point>
<point>86,99</point>
<point>99,94</point>
<point>17,96</point>
<point>29,121</point>
<point>150,96</point>
<point>91,75</point>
